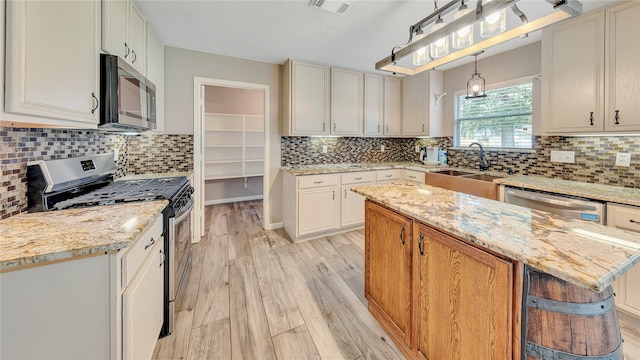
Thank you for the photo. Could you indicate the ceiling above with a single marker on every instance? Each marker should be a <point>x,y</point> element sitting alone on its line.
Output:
<point>273,31</point>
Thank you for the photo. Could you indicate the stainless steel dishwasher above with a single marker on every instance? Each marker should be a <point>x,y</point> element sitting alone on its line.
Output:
<point>568,206</point>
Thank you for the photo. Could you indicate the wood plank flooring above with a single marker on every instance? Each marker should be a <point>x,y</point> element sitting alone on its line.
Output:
<point>252,294</point>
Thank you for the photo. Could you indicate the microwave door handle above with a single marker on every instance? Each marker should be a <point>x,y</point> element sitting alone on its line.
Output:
<point>546,200</point>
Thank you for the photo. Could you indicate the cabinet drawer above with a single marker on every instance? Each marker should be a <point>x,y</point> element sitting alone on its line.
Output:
<point>305,182</point>
<point>388,175</point>
<point>412,175</point>
<point>623,217</point>
<point>358,177</point>
<point>136,254</point>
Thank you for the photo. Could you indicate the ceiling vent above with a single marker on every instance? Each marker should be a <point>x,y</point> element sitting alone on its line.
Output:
<point>335,6</point>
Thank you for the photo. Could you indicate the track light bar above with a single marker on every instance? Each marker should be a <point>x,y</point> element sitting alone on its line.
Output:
<point>564,10</point>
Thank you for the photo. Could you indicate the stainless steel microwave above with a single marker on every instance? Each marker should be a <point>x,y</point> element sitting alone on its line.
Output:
<point>127,99</point>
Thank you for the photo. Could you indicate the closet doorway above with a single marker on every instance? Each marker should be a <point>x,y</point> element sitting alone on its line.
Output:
<point>231,153</point>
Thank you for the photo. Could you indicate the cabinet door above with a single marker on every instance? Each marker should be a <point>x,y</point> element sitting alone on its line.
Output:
<point>421,115</point>
<point>115,20</point>
<point>373,104</point>
<point>623,75</point>
<point>155,73</point>
<point>573,75</point>
<point>142,307</point>
<point>352,206</point>
<point>52,59</point>
<point>392,106</point>
<point>388,247</point>
<point>137,36</point>
<point>318,210</point>
<point>346,102</point>
<point>464,299</point>
<point>309,97</point>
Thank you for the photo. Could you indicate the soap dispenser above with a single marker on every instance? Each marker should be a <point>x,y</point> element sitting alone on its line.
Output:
<point>423,153</point>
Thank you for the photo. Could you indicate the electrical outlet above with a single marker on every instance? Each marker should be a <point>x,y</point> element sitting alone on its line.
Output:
<point>623,159</point>
<point>417,149</point>
<point>324,149</point>
<point>563,156</point>
<point>381,148</point>
<point>115,155</point>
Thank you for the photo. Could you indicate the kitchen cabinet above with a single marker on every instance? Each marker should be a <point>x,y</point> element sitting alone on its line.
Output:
<point>155,74</point>
<point>460,292</point>
<point>52,46</point>
<point>388,270</point>
<point>413,175</point>
<point>627,288</point>
<point>373,104</point>
<point>390,175</point>
<point>592,75</point>
<point>93,307</point>
<point>422,114</point>
<point>347,102</point>
<point>124,32</point>
<point>392,106</point>
<point>307,99</point>
<point>352,204</point>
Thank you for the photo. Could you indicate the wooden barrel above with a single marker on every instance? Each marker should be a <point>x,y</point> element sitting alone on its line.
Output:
<point>567,322</point>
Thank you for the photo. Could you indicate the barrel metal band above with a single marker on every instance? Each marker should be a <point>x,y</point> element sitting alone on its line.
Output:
<point>546,353</point>
<point>583,309</point>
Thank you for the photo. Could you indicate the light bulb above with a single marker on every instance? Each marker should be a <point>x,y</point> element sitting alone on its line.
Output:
<point>491,19</point>
<point>475,88</point>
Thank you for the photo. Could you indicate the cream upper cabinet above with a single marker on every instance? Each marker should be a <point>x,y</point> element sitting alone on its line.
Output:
<point>392,106</point>
<point>155,73</point>
<point>124,32</point>
<point>421,115</point>
<point>591,73</point>
<point>347,101</point>
<point>623,75</point>
<point>373,104</point>
<point>52,62</point>
<point>306,91</point>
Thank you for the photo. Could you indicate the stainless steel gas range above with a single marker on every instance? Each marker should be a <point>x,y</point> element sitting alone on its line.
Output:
<point>88,181</point>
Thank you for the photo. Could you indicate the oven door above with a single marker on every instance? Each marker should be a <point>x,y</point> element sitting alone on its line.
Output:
<point>180,257</point>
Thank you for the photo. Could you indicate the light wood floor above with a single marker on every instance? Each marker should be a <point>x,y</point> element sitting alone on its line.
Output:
<point>252,294</point>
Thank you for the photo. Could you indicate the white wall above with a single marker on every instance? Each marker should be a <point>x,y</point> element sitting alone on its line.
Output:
<point>517,63</point>
<point>182,65</point>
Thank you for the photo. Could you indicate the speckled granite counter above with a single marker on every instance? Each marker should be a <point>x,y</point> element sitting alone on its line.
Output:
<point>582,253</point>
<point>154,175</point>
<point>341,168</point>
<point>616,194</point>
<point>33,238</point>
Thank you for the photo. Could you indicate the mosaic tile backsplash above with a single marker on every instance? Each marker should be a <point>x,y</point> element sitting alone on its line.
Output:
<point>594,155</point>
<point>21,145</point>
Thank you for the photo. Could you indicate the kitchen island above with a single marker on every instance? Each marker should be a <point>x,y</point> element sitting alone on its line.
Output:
<point>450,275</point>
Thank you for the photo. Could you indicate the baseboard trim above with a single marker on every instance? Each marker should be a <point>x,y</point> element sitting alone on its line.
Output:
<point>230,200</point>
<point>273,226</point>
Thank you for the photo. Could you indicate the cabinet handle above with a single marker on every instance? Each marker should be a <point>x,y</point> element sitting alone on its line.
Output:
<point>334,195</point>
<point>388,176</point>
<point>345,193</point>
<point>318,182</point>
<point>591,118</point>
<point>127,51</point>
<point>411,177</point>
<point>387,128</point>
<point>422,127</point>
<point>153,241</point>
<point>421,244</point>
<point>334,126</point>
<point>634,221</point>
<point>322,126</point>
<point>164,257</point>
<point>617,117</point>
<point>358,178</point>
<point>135,57</point>
<point>378,127</point>
<point>402,234</point>
<point>97,103</point>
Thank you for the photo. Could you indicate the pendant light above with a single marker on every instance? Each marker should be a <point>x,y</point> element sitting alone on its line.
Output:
<point>475,85</point>
<point>440,47</point>
<point>493,24</point>
<point>420,56</point>
<point>462,38</point>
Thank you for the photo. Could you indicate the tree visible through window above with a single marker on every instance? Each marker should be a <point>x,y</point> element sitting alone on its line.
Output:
<point>502,119</point>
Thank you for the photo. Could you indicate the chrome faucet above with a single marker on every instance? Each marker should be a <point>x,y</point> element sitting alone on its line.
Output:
<point>484,164</point>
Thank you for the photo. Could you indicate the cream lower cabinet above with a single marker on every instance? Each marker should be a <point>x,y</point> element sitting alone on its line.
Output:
<point>387,176</point>
<point>627,288</point>
<point>413,175</point>
<point>352,204</point>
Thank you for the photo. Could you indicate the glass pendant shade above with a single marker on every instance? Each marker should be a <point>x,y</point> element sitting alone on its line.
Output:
<point>493,24</point>
<point>440,47</point>
<point>420,56</point>
<point>475,87</point>
<point>464,37</point>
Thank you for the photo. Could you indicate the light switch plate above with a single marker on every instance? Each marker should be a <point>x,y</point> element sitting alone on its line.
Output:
<point>381,148</point>
<point>324,149</point>
<point>417,149</point>
<point>115,155</point>
<point>563,156</point>
<point>623,159</point>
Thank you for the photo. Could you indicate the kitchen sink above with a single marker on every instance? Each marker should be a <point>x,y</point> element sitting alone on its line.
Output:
<point>469,183</point>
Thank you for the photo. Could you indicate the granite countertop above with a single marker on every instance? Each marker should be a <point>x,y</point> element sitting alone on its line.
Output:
<point>155,175</point>
<point>348,167</point>
<point>37,238</point>
<point>616,194</point>
<point>583,253</point>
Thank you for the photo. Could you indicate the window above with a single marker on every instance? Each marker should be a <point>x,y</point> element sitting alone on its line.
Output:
<point>502,119</point>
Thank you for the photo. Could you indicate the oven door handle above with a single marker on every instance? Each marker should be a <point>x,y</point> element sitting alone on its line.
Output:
<point>185,213</point>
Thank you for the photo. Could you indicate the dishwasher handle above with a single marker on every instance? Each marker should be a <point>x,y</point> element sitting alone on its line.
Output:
<point>552,201</point>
